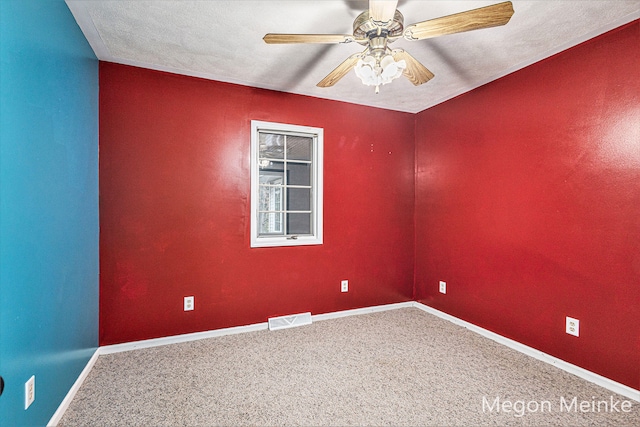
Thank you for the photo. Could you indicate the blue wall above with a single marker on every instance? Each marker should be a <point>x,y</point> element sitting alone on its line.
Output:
<point>48,205</point>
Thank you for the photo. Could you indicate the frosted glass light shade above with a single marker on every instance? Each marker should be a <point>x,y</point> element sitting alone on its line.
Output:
<point>373,73</point>
<point>366,71</point>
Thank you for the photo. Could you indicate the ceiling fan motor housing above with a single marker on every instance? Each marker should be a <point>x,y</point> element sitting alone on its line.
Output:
<point>365,28</point>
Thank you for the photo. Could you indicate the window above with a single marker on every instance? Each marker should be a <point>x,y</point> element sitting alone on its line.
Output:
<point>286,184</point>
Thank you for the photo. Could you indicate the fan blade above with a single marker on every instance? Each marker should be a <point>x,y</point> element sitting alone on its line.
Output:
<point>484,17</point>
<point>415,71</point>
<point>307,38</point>
<point>382,10</point>
<point>340,71</point>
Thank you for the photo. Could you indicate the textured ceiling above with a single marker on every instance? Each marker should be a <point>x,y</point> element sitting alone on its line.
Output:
<point>222,40</point>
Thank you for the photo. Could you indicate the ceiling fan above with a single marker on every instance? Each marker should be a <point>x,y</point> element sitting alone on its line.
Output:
<point>383,24</point>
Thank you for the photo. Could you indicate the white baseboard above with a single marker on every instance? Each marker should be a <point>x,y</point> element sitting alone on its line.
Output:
<point>57,416</point>
<point>155,342</point>
<point>592,377</point>
<point>529,351</point>
<point>358,311</point>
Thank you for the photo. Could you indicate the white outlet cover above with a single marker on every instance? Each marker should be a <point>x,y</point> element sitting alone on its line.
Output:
<point>29,391</point>
<point>344,286</point>
<point>573,326</point>
<point>443,287</point>
<point>189,303</point>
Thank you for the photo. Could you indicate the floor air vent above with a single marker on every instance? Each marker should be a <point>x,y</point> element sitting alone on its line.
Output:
<point>290,321</point>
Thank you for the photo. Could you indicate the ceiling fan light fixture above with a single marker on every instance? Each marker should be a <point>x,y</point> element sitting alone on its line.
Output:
<point>376,73</point>
<point>382,24</point>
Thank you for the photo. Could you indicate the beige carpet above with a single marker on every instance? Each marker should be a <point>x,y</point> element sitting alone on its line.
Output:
<point>398,367</point>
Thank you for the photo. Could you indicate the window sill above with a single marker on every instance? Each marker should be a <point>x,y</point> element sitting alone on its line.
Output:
<point>270,242</point>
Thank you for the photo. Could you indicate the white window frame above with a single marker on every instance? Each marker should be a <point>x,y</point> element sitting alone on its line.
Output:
<point>316,237</point>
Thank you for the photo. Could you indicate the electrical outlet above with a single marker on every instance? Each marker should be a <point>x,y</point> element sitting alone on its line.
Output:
<point>29,391</point>
<point>573,326</point>
<point>188,303</point>
<point>443,287</point>
<point>344,286</point>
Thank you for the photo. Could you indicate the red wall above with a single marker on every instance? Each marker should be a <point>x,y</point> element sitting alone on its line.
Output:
<point>174,207</point>
<point>528,205</point>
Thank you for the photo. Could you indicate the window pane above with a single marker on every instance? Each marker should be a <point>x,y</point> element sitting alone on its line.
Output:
<point>271,146</point>
<point>299,223</point>
<point>299,199</point>
<point>271,177</point>
<point>299,147</point>
<point>270,223</point>
<point>270,170</point>
<point>270,198</point>
<point>299,174</point>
